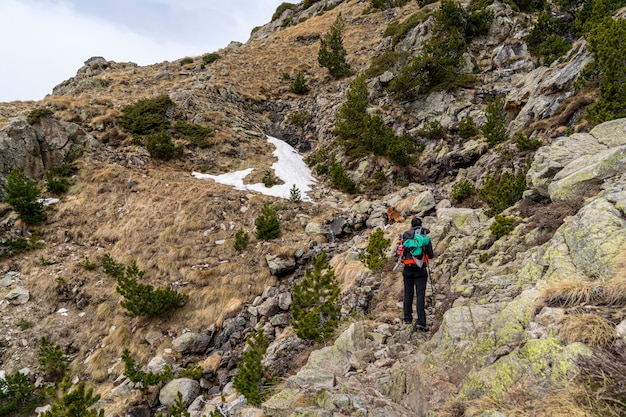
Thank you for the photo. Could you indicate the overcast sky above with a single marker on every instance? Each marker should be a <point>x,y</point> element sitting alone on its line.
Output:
<point>44,42</point>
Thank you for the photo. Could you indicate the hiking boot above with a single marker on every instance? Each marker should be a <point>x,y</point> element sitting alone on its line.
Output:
<point>421,328</point>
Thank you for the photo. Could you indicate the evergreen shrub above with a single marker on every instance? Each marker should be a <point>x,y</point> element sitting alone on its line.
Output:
<point>494,128</point>
<point>299,85</point>
<point>22,194</point>
<point>209,58</point>
<point>144,299</point>
<point>374,257</point>
<point>160,146</point>
<point>501,191</point>
<point>267,224</point>
<point>34,116</point>
<point>76,402</point>
<point>52,361</point>
<point>241,240</point>
<point>146,116</point>
<point>332,54</point>
<point>19,395</point>
<point>502,226</point>
<point>252,377</point>
<point>133,371</point>
<point>467,128</point>
<point>314,310</point>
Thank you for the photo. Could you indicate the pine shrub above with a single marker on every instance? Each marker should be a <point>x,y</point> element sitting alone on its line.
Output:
<point>111,267</point>
<point>524,143</point>
<point>241,240</point>
<point>267,224</point>
<point>494,128</point>
<point>133,371</point>
<point>332,54</point>
<point>502,191</point>
<point>269,180</point>
<point>462,190</point>
<point>178,409</point>
<point>76,402</point>
<point>56,186</point>
<point>299,85</point>
<point>467,128</point>
<point>251,379</point>
<point>502,226</point>
<point>281,9</point>
<point>160,146</point>
<point>22,244</point>
<point>196,134</point>
<point>19,395</point>
<point>433,130</point>
<point>374,257</point>
<point>294,194</point>
<point>144,299</point>
<point>209,58</point>
<point>340,179</point>
<point>34,116</point>
<point>22,194</point>
<point>146,116</point>
<point>87,264</point>
<point>52,361</point>
<point>315,312</point>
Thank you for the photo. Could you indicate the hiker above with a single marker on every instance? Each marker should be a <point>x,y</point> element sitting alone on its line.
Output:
<point>415,275</point>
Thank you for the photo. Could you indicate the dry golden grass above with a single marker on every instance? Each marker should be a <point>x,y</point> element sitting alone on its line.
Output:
<point>615,289</point>
<point>528,401</point>
<point>568,293</point>
<point>590,329</point>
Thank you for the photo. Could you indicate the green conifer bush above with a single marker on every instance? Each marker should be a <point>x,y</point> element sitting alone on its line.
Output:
<point>241,240</point>
<point>19,395</point>
<point>299,85</point>
<point>146,116</point>
<point>502,226</point>
<point>76,402</point>
<point>144,299</point>
<point>294,194</point>
<point>467,128</point>
<point>267,224</point>
<point>494,128</point>
<point>252,377</point>
<point>502,190</point>
<point>52,361</point>
<point>374,257</point>
<point>133,371</point>
<point>22,194</point>
<point>160,146</point>
<point>332,54</point>
<point>315,310</point>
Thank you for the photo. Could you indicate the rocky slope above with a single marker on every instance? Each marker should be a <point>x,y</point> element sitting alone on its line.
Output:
<point>501,308</point>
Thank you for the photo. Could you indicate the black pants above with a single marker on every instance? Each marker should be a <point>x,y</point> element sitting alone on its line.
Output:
<point>414,283</point>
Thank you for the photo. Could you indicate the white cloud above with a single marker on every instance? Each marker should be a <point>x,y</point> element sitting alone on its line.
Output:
<point>45,42</point>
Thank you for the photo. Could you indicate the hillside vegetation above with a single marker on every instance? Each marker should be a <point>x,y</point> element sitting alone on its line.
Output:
<point>134,288</point>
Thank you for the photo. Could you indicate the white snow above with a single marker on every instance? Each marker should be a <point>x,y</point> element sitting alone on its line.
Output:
<point>290,168</point>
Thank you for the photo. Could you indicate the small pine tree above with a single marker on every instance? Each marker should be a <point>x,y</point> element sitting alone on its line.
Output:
<point>269,180</point>
<point>18,395</point>
<point>494,128</point>
<point>251,377</point>
<point>294,194</point>
<point>299,85</point>
<point>314,311</point>
<point>132,370</point>
<point>332,54</point>
<point>179,408</point>
<point>144,299</point>
<point>267,224</point>
<point>111,267</point>
<point>22,194</point>
<point>375,258</point>
<point>53,362</point>
<point>241,240</point>
<point>74,403</point>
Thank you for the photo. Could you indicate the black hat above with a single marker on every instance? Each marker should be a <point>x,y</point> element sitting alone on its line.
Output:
<point>416,221</point>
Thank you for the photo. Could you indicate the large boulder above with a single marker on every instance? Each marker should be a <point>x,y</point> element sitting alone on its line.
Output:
<point>38,147</point>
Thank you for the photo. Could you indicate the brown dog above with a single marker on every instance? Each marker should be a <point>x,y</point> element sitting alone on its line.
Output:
<point>393,216</point>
